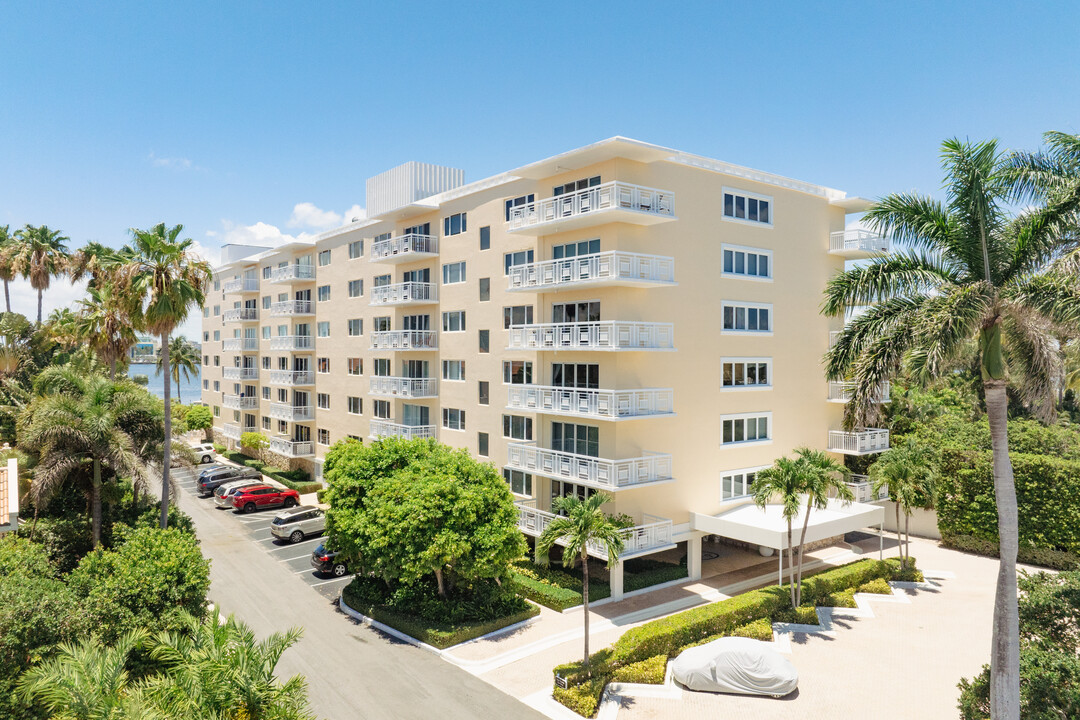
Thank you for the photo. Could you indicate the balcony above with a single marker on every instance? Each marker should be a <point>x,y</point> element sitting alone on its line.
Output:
<point>854,244</point>
<point>387,429</point>
<point>239,344</point>
<point>240,285</point>
<point>292,273</point>
<point>863,490</point>
<point>246,314</point>
<point>292,308</point>
<point>240,373</point>
<point>292,448</point>
<point>292,378</point>
<point>841,392</point>
<point>385,386</point>
<point>405,248</point>
<point>405,340</point>
<point>595,404</point>
<point>653,534</point>
<point>611,475</point>
<point>240,402</point>
<point>234,431</point>
<point>607,203</point>
<point>610,335</point>
<point>291,413</point>
<point>610,269</point>
<point>866,441</point>
<point>406,293</point>
<point>293,343</point>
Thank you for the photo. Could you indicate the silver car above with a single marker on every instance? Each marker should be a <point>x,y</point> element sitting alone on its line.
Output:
<point>223,494</point>
<point>298,523</point>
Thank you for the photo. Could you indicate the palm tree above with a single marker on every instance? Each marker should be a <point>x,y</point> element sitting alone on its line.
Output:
<point>785,480</point>
<point>908,473</point>
<point>61,328</point>
<point>581,523</point>
<point>8,243</point>
<point>822,479</point>
<point>968,270</point>
<point>105,324</point>
<point>185,360</point>
<point>96,261</point>
<point>40,255</point>
<point>165,279</point>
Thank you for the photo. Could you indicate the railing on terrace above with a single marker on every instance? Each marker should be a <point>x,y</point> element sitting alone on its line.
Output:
<point>606,197</point>
<point>863,489</point>
<point>863,241</point>
<point>405,340</point>
<point>404,246</point>
<point>292,448</point>
<point>239,344</point>
<point>291,413</point>
<point>240,285</point>
<point>386,428</point>
<point>858,442</point>
<point>404,386</point>
<point>292,377</point>
<point>601,335</point>
<point>603,404</point>
<point>234,431</point>
<point>592,471</point>
<point>842,391</point>
<point>654,532</point>
<point>246,314</point>
<point>240,373</point>
<point>240,402</point>
<point>288,308</point>
<point>610,267</point>
<point>292,272</point>
<point>293,342</point>
<point>404,293</point>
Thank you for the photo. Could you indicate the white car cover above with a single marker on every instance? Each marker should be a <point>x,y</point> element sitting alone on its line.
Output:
<point>735,665</point>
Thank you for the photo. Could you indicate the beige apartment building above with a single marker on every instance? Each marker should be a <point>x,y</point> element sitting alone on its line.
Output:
<point>621,317</point>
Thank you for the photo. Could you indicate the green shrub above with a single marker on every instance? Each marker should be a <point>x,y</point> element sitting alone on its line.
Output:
<point>820,586</point>
<point>840,598</point>
<point>254,463</point>
<point>758,630</point>
<point>803,615</point>
<point>1042,557</point>
<point>219,448</point>
<point>554,587</point>
<point>584,699</point>
<point>880,586</point>
<point>649,672</point>
<point>661,573</point>
<point>552,596</point>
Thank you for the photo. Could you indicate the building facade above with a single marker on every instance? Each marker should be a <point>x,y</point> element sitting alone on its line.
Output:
<point>622,317</point>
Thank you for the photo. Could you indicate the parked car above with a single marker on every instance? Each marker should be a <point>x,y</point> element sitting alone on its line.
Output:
<point>224,494</point>
<point>298,523</point>
<point>259,497</point>
<point>210,482</point>
<point>325,560</point>
<point>204,452</point>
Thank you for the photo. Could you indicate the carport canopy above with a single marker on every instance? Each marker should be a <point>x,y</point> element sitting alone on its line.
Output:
<point>767,527</point>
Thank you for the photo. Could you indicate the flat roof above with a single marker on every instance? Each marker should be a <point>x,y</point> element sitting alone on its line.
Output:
<point>767,526</point>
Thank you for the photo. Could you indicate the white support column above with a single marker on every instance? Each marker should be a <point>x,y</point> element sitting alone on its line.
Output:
<point>615,580</point>
<point>693,558</point>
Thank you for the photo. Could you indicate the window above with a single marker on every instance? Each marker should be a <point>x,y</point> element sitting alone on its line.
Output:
<point>217,411</point>
<point>738,483</point>
<point>741,205</point>
<point>266,272</point>
<point>323,365</point>
<point>283,395</point>
<point>453,370</point>
<point>482,444</point>
<point>206,337</point>
<point>746,428</point>
<point>521,257</point>
<point>577,439</point>
<point>206,312</point>
<point>575,312</point>
<point>356,327</point>
<point>266,302</point>
<point>453,419</point>
<point>746,373</point>
<point>485,341</point>
<point>217,310</point>
<point>356,366</point>
<point>282,427</point>
<point>453,321</point>
<point>322,401</point>
<point>205,384</point>
<point>517,202</point>
<point>355,405</point>
<point>217,361</point>
<point>356,249</point>
<point>746,262</point>
<point>382,409</point>
<point>485,289</point>
<point>517,315</point>
<point>265,423</point>
<point>266,362</point>
<point>322,329</point>
<point>217,284</point>
<point>575,375</point>
<point>453,273</point>
<point>484,393</point>
<point>382,237</point>
<point>206,360</point>
<point>266,332</point>
<point>323,436</point>
<point>217,335</point>
<point>569,250</point>
<point>485,237</point>
<point>323,293</point>
<point>575,186</point>
<point>746,317</point>
<point>324,258</point>
<point>517,372</point>
<point>356,288</point>
<point>381,323</point>
<point>382,280</point>
<point>266,393</point>
<point>517,427</point>
<point>454,225</point>
<point>520,482</point>
<point>217,386</point>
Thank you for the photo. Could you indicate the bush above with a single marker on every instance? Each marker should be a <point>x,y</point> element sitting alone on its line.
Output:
<point>1042,557</point>
<point>219,448</point>
<point>840,598</point>
<point>19,557</point>
<point>648,672</point>
<point>254,441</point>
<point>802,615</point>
<point>254,463</point>
<point>552,596</point>
<point>556,588</point>
<point>821,586</point>
<point>879,586</point>
<point>759,630</point>
<point>655,575</point>
<point>584,699</point>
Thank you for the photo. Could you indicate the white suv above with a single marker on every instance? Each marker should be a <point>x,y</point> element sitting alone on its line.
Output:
<point>298,523</point>
<point>204,452</point>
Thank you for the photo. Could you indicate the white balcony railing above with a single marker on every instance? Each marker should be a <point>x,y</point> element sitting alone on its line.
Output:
<point>404,387</point>
<point>292,273</point>
<point>606,268</point>
<point>292,448</point>
<point>404,248</point>
<point>240,373</point>
<point>292,378</point>
<point>240,285</point>
<point>598,404</point>
<point>290,308</point>
<point>621,201</point>
<point>655,532</point>
<point>295,343</point>
<point>858,242</point>
<point>842,391</point>
<point>240,344</point>
<point>863,489</point>
<point>406,293</point>
<point>246,314</point>
<point>405,340</point>
<point>602,335</point>
<point>858,442</point>
<point>240,402</point>
<point>291,413</point>
<point>595,472</point>
<point>387,429</point>
<point>234,431</point>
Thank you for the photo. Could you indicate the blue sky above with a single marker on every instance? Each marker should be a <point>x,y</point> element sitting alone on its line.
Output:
<point>227,116</point>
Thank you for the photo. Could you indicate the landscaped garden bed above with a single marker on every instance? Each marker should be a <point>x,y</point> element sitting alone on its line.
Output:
<point>559,588</point>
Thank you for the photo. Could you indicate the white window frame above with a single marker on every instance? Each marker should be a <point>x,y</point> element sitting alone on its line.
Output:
<point>359,325</point>
<point>320,326</point>
<point>327,254</point>
<point>354,401</point>
<point>448,223</point>
<point>319,293</point>
<point>739,471</point>
<point>746,249</point>
<point>746,388</point>
<point>355,244</point>
<point>447,314</point>
<point>747,416</point>
<point>446,364</point>
<point>320,398</point>
<point>724,304</point>
<point>526,479</point>
<point>359,285</point>
<point>460,265</point>
<point>453,424</point>
<point>319,433</point>
<point>748,194</point>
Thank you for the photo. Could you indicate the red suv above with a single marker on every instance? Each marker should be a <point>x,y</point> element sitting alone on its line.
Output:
<point>258,497</point>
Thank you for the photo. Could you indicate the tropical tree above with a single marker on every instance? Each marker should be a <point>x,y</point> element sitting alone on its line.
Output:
<point>967,269</point>
<point>823,478</point>
<point>97,262</point>
<point>784,480</point>
<point>185,360</point>
<point>581,523</point>
<point>39,255</point>
<point>104,324</point>
<point>199,417</point>
<point>908,473</point>
<point>8,243</point>
<point>164,279</point>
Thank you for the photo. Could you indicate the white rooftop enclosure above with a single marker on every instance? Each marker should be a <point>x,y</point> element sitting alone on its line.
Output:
<point>405,184</point>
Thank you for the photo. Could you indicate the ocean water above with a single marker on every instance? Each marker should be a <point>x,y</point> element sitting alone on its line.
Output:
<point>190,389</point>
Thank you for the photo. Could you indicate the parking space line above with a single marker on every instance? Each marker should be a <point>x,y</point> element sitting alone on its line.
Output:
<point>302,542</point>
<point>327,582</point>
<point>298,557</point>
<point>305,570</point>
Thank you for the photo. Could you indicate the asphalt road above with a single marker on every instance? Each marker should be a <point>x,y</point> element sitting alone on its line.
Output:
<point>352,671</point>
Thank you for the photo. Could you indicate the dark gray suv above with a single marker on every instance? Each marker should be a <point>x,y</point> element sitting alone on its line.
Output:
<point>210,481</point>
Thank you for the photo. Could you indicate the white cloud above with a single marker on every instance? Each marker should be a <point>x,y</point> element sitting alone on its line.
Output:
<point>354,213</point>
<point>61,293</point>
<point>170,163</point>
<point>307,215</point>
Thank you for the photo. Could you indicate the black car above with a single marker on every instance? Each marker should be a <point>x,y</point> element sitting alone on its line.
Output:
<point>325,561</point>
<point>210,482</point>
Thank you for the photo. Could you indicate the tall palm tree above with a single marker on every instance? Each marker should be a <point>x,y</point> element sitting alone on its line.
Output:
<point>95,261</point>
<point>105,324</point>
<point>39,256</point>
<point>823,478</point>
<point>164,279</point>
<point>785,481</point>
<point>581,523</point>
<point>61,327</point>
<point>908,473</point>
<point>185,361</point>
<point>968,269</point>
<point>8,243</point>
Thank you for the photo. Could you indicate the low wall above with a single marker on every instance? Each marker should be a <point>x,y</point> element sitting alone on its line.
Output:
<point>923,523</point>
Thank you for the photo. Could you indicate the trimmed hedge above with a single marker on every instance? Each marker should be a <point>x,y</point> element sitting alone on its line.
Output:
<point>876,587</point>
<point>666,572</point>
<point>559,589</point>
<point>552,596</point>
<point>1043,557</point>
<point>647,672</point>
<point>840,598</point>
<point>583,699</point>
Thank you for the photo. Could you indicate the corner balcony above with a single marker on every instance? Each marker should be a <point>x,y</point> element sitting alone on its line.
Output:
<point>593,404</point>
<point>240,373</point>
<point>406,293</point>
<point>606,336</point>
<point>292,448</point>
<point>841,392</point>
<point>234,431</point>
<point>855,244</point>
<point>866,441</point>
<point>239,344</point>
<point>238,286</point>
<point>652,535</point>
<point>385,386</point>
<point>292,308</point>
<point>240,315</point>
<point>291,413</point>
<point>240,402</point>
<point>293,343</point>
<point>606,269</point>
<point>404,248</point>
<point>863,490</point>
<point>405,340</point>
<point>607,203</point>
<point>292,378</point>
<point>387,429</point>
<point>600,473</point>
<point>292,273</point>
